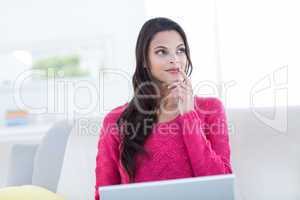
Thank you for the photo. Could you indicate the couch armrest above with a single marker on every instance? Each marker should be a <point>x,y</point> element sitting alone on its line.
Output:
<point>21,164</point>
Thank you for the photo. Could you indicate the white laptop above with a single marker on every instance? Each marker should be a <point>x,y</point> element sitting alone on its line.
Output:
<point>218,187</point>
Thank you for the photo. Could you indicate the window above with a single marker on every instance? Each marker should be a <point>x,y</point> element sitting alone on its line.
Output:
<point>242,51</point>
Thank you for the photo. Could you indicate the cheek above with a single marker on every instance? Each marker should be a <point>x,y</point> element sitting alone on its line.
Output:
<point>183,61</point>
<point>157,63</point>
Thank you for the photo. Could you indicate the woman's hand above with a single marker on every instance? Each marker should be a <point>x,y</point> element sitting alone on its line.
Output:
<point>183,92</point>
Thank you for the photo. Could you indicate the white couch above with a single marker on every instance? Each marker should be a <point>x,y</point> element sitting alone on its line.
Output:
<point>77,180</point>
<point>265,156</point>
<point>265,161</point>
<point>265,145</point>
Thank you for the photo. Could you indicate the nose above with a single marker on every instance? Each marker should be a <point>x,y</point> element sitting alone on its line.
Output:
<point>173,58</point>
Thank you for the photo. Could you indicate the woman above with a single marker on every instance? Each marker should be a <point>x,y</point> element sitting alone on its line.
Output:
<point>164,132</point>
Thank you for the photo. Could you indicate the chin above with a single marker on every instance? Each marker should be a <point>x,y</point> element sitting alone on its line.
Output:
<point>171,80</point>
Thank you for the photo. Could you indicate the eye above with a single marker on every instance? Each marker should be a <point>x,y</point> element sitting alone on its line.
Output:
<point>181,50</point>
<point>161,52</point>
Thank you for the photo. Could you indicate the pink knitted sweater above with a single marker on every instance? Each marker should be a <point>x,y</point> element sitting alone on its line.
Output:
<point>193,144</point>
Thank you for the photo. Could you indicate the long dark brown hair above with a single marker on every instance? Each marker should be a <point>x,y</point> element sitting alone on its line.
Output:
<point>141,108</point>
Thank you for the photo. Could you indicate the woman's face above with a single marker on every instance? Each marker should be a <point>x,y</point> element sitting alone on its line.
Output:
<point>166,55</point>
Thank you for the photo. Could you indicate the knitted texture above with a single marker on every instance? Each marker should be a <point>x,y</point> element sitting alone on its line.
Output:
<point>193,144</point>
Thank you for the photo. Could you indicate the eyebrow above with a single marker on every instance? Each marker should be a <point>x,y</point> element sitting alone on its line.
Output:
<point>163,47</point>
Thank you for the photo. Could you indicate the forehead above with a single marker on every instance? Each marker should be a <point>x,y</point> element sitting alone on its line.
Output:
<point>166,38</point>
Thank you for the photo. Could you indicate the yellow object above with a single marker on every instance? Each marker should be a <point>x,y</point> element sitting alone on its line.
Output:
<point>27,192</point>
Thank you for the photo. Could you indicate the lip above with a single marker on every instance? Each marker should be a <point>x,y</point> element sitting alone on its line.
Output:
<point>173,70</point>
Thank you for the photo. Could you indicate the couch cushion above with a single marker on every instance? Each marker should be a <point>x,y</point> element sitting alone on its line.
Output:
<point>77,180</point>
<point>265,151</point>
<point>28,192</point>
<point>49,156</point>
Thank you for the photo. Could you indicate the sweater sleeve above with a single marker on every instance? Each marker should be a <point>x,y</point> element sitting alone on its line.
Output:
<point>206,139</point>
<point>107,158</point>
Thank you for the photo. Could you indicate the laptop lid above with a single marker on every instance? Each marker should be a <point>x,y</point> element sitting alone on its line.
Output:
<point>196,188</point>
